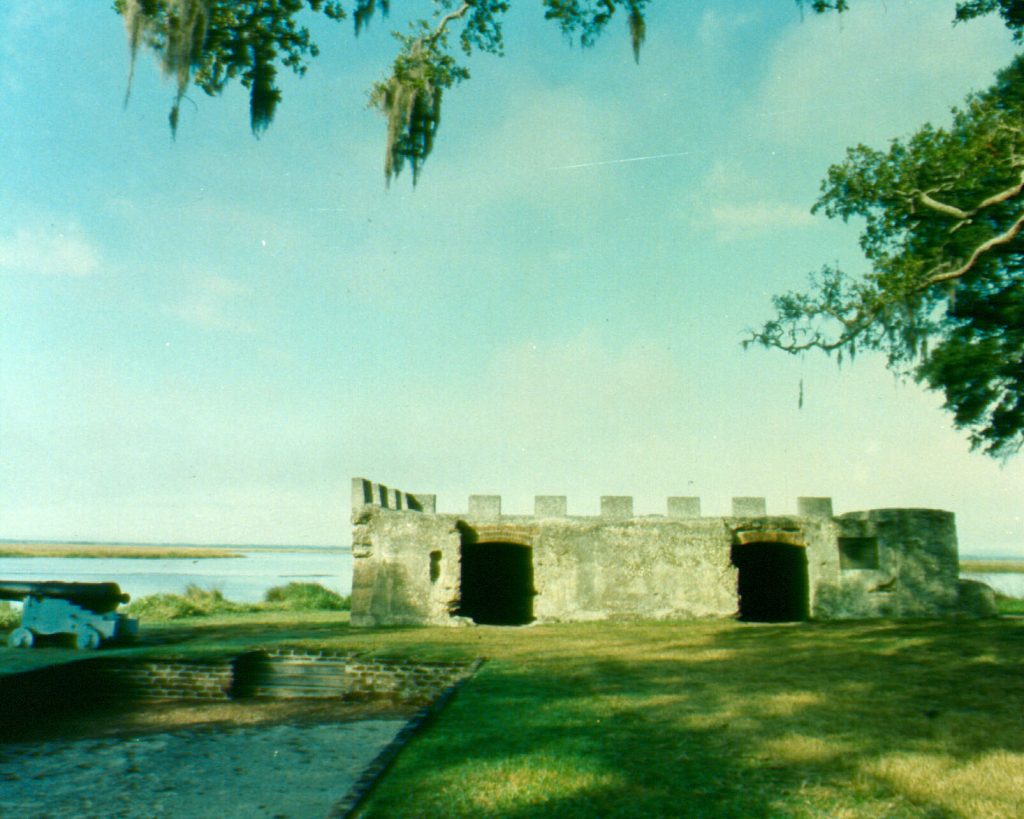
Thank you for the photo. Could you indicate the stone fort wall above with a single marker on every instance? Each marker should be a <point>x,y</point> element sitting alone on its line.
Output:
<point>414,565</point>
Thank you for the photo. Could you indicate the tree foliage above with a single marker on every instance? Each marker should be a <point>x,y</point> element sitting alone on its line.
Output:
<point>1012,12</point>
<point>944,300</point>
<point>210,43</point>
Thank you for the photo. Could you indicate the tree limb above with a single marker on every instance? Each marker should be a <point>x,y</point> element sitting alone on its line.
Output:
<point>926,199</point>
<point>1003,238</point>
<point>448,18</point>
<point>1003,196</point>
<point>941,207</point>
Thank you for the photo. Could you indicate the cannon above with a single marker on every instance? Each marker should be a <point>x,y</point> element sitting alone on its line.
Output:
<point>88,611</point>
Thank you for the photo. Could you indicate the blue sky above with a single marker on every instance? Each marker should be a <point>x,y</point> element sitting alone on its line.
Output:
<point>204,339</point>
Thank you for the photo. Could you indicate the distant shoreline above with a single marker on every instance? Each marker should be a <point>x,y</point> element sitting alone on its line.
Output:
<point>93,550</point>
<point>14,547</point>
<point>1009,566</point>
<point>142,551</point>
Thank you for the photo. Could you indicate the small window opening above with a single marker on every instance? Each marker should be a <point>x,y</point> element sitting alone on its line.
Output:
<point>858,553</point>
<point>435,566</point>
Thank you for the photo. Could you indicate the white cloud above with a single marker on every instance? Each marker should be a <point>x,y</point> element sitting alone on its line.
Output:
<point>736,220</point>
<point>51,251</point>
<point>715,28</point>
<point>583,415</point>
<point>735,204</point>
<point>874,73</point>
<point>216,304</point>
<point>17,19</point>
<point>540,138</point>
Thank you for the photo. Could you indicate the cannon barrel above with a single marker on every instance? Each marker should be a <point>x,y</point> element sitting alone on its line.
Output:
<point>97,597</point>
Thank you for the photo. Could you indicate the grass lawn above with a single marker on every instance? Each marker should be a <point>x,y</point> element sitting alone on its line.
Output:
<point>724,719</point>
<point>710,718</point>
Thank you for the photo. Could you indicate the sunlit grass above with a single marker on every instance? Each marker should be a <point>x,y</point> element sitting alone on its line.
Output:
<point>533,780</point>
<point>989,784</point>
<point>108,551</point>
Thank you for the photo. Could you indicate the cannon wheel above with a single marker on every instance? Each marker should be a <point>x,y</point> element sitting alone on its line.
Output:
<point>21,638</point>
<point>87,638</point>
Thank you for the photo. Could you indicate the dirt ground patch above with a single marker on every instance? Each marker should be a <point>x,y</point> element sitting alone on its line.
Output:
<point>179,763</point>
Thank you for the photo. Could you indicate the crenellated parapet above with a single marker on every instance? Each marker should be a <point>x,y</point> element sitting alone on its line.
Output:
<point>489,507</point>
<point>413,565</point>
<point>368,493</point>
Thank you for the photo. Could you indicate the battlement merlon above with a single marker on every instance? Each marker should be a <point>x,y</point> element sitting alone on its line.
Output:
<point>368,493</point>
<point>488,507</point>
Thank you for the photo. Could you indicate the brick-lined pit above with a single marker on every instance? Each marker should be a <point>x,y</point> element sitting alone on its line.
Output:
<point>289,672</point>
<point>292,672</point>
<point>274,673</point>
<point>157,679</point>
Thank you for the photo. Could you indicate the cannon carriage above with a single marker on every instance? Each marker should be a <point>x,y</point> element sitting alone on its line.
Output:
<point>87,611</point>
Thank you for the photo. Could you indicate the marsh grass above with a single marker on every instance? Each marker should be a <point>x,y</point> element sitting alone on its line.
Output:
<point>195,602</point>
<point>296,596</point>
<point>896,719</point>
<point>108,551</point>
<point>204,602</point>
<point>1009,605</point>
<point>992,566</point>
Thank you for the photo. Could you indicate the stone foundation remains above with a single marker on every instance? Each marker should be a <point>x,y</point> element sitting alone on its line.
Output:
<point>413,565</point>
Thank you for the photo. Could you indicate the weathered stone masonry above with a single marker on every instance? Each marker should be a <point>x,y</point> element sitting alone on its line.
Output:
<point>413,565</point>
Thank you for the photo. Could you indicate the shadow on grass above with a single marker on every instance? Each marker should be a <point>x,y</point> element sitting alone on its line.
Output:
<point>52,702</point>
<point>819,719</point>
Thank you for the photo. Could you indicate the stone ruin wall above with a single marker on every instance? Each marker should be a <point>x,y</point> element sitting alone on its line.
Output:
<point>408,558</point>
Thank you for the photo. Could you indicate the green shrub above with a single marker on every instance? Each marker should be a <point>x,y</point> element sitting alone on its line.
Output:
<point>212,601</point>
<point>10,617</point>
<point>305,597</point>
<point>195,602</point>
<point>163,607</point>
<point>200,602</point>
<point>1009,605</point>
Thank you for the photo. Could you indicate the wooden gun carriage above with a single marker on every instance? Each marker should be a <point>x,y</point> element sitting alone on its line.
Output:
<point>88,611</point>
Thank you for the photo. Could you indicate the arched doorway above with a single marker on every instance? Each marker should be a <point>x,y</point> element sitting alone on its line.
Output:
<point>496,583</point>
<point>772,581</point>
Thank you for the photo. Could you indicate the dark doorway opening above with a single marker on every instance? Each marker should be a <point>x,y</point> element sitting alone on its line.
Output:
<point>497,584</point>
<point>772,582</point>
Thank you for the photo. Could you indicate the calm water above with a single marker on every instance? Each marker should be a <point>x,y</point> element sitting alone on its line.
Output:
<point>243,579</point>
<point>1008,583</point>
